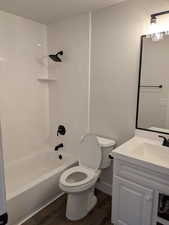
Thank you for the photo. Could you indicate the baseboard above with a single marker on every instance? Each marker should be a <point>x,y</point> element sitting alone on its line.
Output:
<point>104,187</point>
<point>38,210</point>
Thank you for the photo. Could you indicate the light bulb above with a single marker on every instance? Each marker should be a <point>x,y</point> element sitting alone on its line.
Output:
<point>154,30</point>
<point>157,36</point>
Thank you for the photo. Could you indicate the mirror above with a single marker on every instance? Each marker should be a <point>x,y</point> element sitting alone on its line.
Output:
<point>153,86</point>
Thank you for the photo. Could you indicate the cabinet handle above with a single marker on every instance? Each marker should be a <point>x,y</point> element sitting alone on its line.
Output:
<point>148,198</point>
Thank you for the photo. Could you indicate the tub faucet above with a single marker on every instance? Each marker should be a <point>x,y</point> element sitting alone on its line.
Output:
<point>165,141</point>
<point>59,146</point>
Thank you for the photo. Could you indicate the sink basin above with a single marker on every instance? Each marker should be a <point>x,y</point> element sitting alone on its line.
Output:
<point>155,154</point>
<point>146,152</point>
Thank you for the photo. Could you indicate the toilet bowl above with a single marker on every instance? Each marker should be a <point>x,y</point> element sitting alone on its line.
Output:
<point>78,178</point>
<point>79,181</point>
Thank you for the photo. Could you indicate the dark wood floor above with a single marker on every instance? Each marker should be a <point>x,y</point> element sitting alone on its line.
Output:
<point>54,214</point>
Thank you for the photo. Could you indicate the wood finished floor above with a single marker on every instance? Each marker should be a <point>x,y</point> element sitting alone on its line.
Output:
<point>54,214</point>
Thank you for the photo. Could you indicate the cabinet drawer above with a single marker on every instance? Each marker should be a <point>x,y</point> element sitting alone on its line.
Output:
<point>139,174</point>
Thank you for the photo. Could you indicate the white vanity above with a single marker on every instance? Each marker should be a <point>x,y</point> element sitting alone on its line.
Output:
<point>141,174</point>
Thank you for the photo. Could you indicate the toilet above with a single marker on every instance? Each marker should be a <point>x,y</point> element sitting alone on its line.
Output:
<point>79,181</point>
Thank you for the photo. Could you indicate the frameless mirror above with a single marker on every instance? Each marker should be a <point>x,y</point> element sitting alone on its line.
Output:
<point>153,86</point>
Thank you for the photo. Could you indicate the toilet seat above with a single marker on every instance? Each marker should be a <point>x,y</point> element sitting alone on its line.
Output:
<point>83,177</point>
<point>71,177</point>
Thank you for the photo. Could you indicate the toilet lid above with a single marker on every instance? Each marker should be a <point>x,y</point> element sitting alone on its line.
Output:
<point>90,152</point>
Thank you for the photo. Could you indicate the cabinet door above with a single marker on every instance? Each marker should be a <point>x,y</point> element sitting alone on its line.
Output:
<point>132,203</point>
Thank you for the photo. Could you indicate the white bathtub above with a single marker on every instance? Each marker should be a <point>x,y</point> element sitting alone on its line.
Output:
<point>33,183</point>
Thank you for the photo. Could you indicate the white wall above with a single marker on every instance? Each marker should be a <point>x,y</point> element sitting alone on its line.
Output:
<point>69,94</point>
<point>23,100</point>
<point>115,60</point>
<point>115,56</point>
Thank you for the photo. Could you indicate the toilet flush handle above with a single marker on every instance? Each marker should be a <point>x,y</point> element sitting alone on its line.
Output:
<point>110,156</point>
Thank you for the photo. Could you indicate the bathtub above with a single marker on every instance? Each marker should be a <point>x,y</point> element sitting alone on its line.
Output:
<point>32,183</point>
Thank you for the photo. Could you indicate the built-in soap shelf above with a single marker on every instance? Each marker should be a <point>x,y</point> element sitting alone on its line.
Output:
<point>46,79</point>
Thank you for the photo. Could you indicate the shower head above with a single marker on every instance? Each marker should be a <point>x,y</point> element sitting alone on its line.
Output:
<point>56,57</point>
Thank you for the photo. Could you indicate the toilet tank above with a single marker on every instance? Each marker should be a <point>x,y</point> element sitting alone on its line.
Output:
<point>106,145</point>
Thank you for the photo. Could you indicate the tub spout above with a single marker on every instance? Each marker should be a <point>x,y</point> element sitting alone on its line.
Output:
<point>59,146</point>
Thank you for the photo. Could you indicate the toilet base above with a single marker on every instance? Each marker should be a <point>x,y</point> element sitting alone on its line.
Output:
<point>80,204</point>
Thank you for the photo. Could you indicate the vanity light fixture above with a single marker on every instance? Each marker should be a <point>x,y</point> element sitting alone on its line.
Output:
<point>155,32</point>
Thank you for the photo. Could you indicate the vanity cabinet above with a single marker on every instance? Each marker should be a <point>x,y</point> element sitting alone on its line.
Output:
<point>133,203</point>
<point>136,191</point>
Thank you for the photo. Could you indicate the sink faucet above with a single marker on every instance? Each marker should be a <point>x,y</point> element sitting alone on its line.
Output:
<point>165,141</point>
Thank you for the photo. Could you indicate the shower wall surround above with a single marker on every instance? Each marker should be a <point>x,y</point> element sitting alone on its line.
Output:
<point>23,100</point>
<point>68,96</point>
